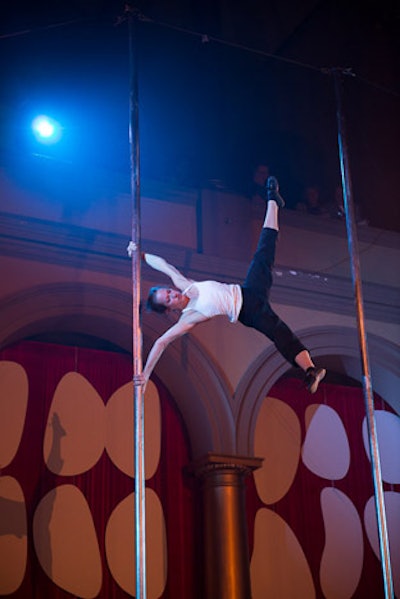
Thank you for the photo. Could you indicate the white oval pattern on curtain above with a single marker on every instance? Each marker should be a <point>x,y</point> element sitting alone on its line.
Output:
<point>79,428</point>
<point>326,453</point>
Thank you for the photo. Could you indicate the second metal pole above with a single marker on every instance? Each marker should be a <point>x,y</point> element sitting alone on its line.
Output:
<point>367,385</point>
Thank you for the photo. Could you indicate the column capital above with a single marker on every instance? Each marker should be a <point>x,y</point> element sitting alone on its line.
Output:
<point>213,462</point>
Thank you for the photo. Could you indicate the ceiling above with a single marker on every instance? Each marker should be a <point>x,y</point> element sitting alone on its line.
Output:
<point>222,85</point>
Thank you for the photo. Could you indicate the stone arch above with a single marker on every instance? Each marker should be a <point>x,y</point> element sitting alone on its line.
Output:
<point>196,384</point>
<point>199,389</point>
<point>90,309</point>
<point>338,346</point>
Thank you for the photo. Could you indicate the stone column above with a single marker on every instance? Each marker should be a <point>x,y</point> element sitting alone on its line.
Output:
<point>226,551</point>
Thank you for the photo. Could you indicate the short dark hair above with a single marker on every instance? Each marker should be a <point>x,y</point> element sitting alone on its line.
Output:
<point>152,305</point>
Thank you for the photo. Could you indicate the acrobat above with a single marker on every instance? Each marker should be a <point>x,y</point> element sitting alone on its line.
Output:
<point>247,303</point>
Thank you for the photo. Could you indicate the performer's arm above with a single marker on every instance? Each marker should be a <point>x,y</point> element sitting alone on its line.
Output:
<point>186,322</point>
<point>158,263</point>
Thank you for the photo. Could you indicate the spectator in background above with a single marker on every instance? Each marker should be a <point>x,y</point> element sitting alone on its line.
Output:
<point>311,202</point>
<point>337,209</point>
<point>258,184</point>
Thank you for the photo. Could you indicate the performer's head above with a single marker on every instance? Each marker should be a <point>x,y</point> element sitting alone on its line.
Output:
<point>164,299</point>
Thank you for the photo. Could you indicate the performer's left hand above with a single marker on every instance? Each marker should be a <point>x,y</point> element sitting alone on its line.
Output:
<point>139,380</point>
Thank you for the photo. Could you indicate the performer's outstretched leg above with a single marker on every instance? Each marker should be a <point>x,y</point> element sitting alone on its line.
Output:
<point>259,274</point>
<point>257,312</point>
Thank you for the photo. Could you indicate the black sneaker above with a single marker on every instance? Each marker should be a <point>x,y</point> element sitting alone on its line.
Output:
<point>313,378</point>
<point>273,192</point>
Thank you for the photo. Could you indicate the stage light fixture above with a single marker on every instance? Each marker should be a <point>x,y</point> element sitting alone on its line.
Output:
<point>46,129</point>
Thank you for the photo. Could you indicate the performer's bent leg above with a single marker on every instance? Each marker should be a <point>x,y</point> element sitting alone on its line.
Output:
<point>258,314</point>
<point>287,343</point>
<point>294,351</point>
<point>267,322</point>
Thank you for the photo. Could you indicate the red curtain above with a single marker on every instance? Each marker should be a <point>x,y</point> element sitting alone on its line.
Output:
<point>302,502</point>
<point>104,486</point>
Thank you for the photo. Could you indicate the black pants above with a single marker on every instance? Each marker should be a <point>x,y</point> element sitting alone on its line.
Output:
<point>256,311</point>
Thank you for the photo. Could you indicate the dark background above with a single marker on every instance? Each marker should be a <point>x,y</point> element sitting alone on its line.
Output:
<point>222,86</point>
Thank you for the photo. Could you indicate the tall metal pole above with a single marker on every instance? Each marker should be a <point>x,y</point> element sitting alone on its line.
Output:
<point>140,520</point>
<point>367,385</point>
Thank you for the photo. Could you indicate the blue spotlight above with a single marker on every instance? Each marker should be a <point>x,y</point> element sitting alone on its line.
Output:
<point>46,130</point>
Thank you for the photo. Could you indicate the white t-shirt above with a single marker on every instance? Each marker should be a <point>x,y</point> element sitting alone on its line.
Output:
<point>212,298</point>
